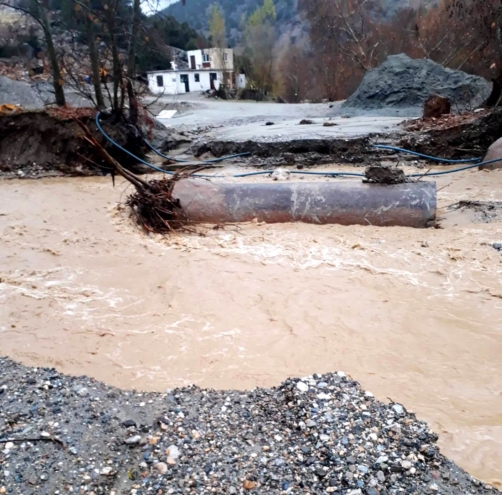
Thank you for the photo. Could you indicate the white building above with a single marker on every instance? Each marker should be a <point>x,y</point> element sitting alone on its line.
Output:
<point>207,70</point>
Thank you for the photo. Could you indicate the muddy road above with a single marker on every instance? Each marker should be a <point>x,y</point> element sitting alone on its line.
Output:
<point>415,315</point>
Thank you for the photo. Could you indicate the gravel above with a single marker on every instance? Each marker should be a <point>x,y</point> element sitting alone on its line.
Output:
<point>321,434</point>
<point>401,85</point>
<point>36,95</point>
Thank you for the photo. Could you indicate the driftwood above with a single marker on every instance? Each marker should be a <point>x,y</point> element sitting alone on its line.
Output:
<point>152,203</point>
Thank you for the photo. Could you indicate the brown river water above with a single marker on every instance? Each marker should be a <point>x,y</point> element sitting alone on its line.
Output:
<point>414,315</point>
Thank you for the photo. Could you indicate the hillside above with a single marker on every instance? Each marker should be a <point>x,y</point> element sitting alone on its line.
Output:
<point>196,13</point>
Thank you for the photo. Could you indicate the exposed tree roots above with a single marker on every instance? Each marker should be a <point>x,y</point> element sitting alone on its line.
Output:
<point>155,209</point>
<point>152,203</point>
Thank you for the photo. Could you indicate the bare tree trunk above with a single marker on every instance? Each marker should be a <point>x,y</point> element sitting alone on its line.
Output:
<point>131,63</point>
<point>117,71</point>
<point>93,54</point>
<point>56,73</point>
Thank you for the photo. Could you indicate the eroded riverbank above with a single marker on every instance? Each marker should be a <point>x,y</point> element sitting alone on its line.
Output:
<point>415,315</point>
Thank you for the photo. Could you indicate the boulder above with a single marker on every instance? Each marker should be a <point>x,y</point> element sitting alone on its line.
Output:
<point>494,152</point>
<point>401,85</point>
<point>435,106</point>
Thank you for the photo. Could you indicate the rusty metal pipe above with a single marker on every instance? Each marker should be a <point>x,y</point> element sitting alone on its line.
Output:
<point>345,203</point>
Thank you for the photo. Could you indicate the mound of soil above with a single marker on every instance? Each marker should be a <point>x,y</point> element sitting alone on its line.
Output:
<point>404,83</point>
<point>40,142</point>
<point>465,137</point>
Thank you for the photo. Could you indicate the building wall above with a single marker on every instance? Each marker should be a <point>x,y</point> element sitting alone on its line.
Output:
<point>216,58</point>
<point>172,84</point>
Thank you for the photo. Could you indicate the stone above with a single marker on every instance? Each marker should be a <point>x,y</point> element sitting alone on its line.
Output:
<point>382,459</point>
<point>128,423</point>
<point>381,476</point>
<point>161,467</point>
<point>248,485</point>
<point>351,460</point>
<point>321,472</point>
<point>133,440</point>
<point>406,465</point>
<point>173,454</point>
<point>323,396</point>
<point>306,122</point>
<point>302,387</point>
<point>106,471</point>
<point>380,174</point>
<point>436,106</point>
<point>82,391</point>
<point>363,469</point>
<point>398,409</point>
<point>494,152</point>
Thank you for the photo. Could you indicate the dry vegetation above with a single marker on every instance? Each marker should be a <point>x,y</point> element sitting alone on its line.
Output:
<point>349,37</point>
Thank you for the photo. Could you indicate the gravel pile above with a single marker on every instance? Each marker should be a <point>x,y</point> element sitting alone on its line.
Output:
<point>322,434</point>
<point>401,85</point>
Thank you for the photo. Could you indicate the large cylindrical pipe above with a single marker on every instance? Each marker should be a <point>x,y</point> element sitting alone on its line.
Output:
<point>345,203</point>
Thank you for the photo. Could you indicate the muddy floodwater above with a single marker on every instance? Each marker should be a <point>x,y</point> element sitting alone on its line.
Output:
<point>414,315</point>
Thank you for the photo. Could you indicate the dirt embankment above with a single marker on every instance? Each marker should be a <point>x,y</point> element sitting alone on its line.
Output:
<point>36,143</point>
<point>298,151</point>
<point>455,137</point>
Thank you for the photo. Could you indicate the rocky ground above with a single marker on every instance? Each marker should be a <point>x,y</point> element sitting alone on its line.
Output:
<point>320,434</point>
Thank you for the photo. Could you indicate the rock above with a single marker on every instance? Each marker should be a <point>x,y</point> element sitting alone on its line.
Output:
<point>248,485</point>
<point>351,460</point>
<point>302,387</point>
<point>398,409</point>
<point>173,453</point>
<point>401,85</point>
<point>494,152</point>
<point>161,467</point>
<point>106,471</point>
<point>497,246</point>
<point>372,491</point>
<point>269,123</point>
<point>436,106</point>
<point>281,174</point>
<point>406,465</point>
<point>133,440</point>
<point>306,122</point>
<point>329,124</point>
<point>128,423</point>
<point>379,174</point>
<point>363,469</point>
<point>321,472</point>
<point>82,391</point>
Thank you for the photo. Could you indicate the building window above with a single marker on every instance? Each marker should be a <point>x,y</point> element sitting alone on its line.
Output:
<point>225,57</point>
<point>197,77</point>
<point>205,57</point>
<point>160,81</point>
